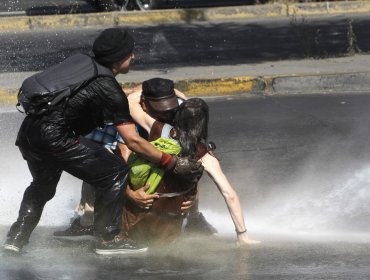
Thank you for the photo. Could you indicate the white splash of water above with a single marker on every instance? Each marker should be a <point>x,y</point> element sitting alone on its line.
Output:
<point>342,208</point>
<point>14,179</point>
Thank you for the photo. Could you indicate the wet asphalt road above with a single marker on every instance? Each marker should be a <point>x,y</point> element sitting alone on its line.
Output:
<point>193,259</point>
<point>197,44</point>
<point>269,147</point>
<point>300,166</point>
<point>32,7</point>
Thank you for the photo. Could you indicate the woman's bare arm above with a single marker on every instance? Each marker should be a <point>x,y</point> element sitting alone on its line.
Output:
<point>213,168</point>
<point>140,116</point>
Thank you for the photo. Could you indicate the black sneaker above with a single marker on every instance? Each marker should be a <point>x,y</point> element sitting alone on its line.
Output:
<point>197,224</point>
<point>119,246</point>
<point>76,232</point>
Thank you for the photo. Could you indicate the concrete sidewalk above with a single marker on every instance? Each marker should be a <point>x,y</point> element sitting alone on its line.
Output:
<point>344,74</point>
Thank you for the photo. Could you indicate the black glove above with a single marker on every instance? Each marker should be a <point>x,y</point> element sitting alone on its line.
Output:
<point>189,170</point>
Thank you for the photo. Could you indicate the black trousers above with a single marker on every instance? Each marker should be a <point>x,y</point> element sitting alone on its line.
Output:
<point>49,148</point>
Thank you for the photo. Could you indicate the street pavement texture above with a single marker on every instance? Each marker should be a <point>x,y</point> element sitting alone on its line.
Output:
<point>300,167</point>
<point>345,72</point>
<point>216,258</point>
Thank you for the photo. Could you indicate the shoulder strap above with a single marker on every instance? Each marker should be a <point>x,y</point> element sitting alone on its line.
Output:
<point>156,131</point>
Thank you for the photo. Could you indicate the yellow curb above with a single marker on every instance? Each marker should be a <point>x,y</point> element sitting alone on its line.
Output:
<point>245,12</point>
<point>155,17</point>
<point>93,20</point>
<point>72,21</point>
<point>324,8</point>
<point>8,96</point>
<point>214,87</point>
<point>191,87</point>
<point>14,23</point>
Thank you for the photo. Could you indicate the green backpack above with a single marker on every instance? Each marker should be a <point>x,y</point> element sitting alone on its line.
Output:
<point>144,172</point>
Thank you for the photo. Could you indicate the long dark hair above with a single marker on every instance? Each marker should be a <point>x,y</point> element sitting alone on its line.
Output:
<point>191,125</point>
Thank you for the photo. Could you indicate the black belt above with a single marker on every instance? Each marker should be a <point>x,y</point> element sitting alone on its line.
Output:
<point>174,194</point>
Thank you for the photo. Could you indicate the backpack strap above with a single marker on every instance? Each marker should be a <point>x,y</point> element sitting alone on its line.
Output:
<point>18,105</point>
<point>156,131</point>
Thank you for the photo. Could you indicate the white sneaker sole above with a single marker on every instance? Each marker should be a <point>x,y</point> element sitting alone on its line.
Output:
<point>12,248</point>
<point>120,251</point>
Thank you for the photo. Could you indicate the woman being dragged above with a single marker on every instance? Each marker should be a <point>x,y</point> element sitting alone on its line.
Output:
<point>162,223</point>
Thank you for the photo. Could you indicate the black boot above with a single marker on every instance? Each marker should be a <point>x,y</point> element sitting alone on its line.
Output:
<point>17,237</point>
<point>76,232</point>
<point>197,224</point>
<point>13,246</point>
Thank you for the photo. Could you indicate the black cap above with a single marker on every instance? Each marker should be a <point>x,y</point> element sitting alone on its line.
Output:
<point>159,94</point>
<point>113,45</point>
